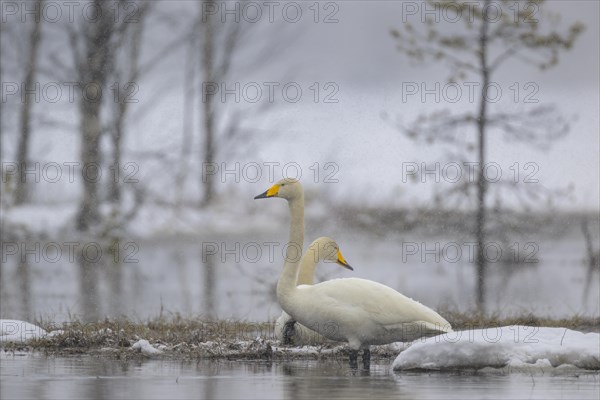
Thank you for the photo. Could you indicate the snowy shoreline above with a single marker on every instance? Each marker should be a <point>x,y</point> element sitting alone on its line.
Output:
<point>514,348</point>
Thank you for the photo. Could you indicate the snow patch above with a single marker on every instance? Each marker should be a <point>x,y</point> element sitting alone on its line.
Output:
<point>145,348</point>
<point>517,347</point>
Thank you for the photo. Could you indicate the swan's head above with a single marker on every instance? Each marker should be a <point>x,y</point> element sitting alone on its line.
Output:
<point>326,249</point>
<point>286,188</point>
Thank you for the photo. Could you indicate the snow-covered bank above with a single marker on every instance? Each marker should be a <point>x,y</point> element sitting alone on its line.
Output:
<point>152,221</point>
<point>511,348</point>
<point>231,216</point>
<point>518,347</point>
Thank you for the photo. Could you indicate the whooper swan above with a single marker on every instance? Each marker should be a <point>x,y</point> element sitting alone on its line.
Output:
<point>358,311</point>
<point>287,330</point>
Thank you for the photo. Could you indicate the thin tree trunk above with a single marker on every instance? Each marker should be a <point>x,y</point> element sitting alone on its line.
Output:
<point>94,71</point>
<point>481,262</point>
<point>115,178</point>
<point>188,124</point>
<point>208,64</point>
<point>123,105</point>
<point>208,109</point>
<point>90,156</point>
<point>23,147</point>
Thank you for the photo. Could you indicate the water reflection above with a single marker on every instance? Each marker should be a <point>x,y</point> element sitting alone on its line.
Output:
<point>24,279</point>
<point>183,280</point>
<point>88,287</point>
<point>209,280</point>
<point>175,276</point>
<point>115,281</point>
<point>592,258</point>
<point>41,377</point>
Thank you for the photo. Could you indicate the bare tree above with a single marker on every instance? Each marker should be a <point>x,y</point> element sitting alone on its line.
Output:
<point>93,50</point>
<point>25,123</point>
<point>95,45</point>
<point>214,69</point>
<point>126,86</point>
<point>480,49</point>
<point>189,84</point>
<point>221,43</point>
<point>208,64</point>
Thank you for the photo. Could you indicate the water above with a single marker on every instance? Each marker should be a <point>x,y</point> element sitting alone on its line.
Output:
<point>174,276</point>
<point>25,376</point>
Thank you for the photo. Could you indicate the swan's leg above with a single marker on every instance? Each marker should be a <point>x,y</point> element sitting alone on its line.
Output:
<point>353,358</point>
<point>366,358</point>
<point>288,331</point>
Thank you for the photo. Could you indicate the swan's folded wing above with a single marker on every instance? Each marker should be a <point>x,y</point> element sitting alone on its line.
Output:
<point>410,331</point>
<point>378,302</point>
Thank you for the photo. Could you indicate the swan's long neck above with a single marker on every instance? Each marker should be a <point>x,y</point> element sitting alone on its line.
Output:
<point>308,264</point>
<point>287,280</point>
<point>297,223</point>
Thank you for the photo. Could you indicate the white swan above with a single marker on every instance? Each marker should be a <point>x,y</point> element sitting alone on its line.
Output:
<point>293,191</point>
<point>287,330</point>
<point>357,311</point>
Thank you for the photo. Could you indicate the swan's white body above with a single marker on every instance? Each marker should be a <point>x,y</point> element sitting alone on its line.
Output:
<point>361,312</point>
<point>301,335</point>
<point>357,311</point>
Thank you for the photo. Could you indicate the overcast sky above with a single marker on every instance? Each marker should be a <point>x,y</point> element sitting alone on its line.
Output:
<point>359,54</point>
<point>354,60</point>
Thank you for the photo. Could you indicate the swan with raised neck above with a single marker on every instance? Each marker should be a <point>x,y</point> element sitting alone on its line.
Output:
<point>358,311</point>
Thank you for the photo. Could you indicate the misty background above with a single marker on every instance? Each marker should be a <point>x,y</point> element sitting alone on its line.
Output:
<point>343,134</point>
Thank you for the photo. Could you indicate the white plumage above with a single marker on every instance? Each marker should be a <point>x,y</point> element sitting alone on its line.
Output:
<point>361,312</point>
<point>358,311</point>
<point>287,329</point>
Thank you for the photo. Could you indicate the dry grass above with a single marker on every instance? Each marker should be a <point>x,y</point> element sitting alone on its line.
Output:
<point>182,338</point>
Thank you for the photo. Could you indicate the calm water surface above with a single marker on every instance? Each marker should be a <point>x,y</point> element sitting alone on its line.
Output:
<point>175,276</point>
<point>28,376</point>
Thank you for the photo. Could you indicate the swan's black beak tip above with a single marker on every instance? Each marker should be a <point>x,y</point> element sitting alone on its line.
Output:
<point>273,191</point>
<point>345,265</point>
<point>342,261</point>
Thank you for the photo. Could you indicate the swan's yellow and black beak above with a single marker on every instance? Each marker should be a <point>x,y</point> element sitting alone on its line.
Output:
<point>342,261</point>
<point>272,192</point>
